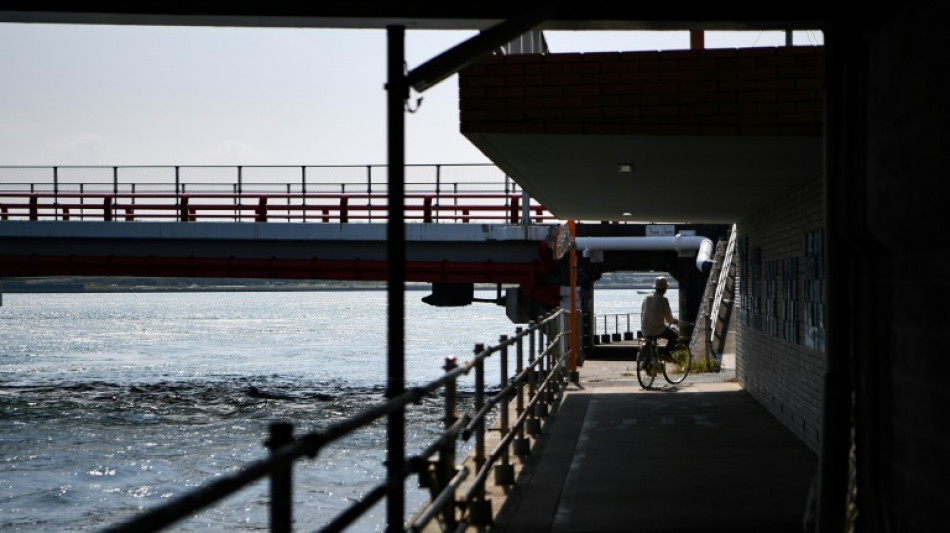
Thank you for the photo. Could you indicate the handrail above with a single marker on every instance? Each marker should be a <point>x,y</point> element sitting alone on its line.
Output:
<point>723,279</point>
<point>263,207</point>
<point>260,193</point>
<point>444,479</point>
<point>618,320</point>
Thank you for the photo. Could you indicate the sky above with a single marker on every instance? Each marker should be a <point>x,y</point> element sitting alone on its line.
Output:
<point>143,95</point>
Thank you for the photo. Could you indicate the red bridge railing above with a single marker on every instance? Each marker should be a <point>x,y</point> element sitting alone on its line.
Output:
<point>438,193</point>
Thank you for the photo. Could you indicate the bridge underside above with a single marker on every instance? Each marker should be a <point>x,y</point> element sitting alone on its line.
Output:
<point>438,254</point>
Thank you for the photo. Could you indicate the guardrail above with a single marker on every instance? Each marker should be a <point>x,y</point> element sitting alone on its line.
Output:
<point>457,494</point>
<point>434,193</point>
<point>616,327</point>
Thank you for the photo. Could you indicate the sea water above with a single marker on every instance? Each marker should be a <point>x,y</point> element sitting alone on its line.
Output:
<point>114,403</point>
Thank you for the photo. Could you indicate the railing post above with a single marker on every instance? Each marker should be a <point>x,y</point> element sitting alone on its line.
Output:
<point>107,208</point>
<point>344,209</point>
<point>505,472</point>
<point>303,191</point>
<point>281,513</point>
<point>533,423</point>
<point>262,209</point>
<point>520,446</point>
<point>480,508</point>
<point>446,464</point>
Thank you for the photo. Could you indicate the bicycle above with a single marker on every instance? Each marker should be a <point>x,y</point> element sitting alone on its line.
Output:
<point>674,367</point>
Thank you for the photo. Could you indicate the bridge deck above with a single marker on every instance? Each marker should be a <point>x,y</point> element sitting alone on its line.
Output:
<point>703,456</point>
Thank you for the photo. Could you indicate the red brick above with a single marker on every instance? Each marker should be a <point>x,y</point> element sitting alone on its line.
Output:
<point>660,65</point>
<point>564,79</point>
<point>719,53</point>
<point>639,77</point>
<point>798,72</point>
<point>506,115</point>
<point>487,81</point>
<point>766,73</point>
<point>679,54</point>
<point>762,51</point>
<point>679,98</point>
<point>719,97</point>
<point>583,112</point>
<point>524,58</point>
<point>699,109</point>
<point>603,78</point>
<point>640,99</point>
<point>659,87</point>
<point>756,96</point>
<point>737,85</point>
<point>582,90</point>
<point>641,129</point>
<point>716,75</point>
<point>544,68</point>
<point>679,75</point>
<point>525,81</point>
<point>636,57</point>
<point>602,101</point>
<point>564,101</point>
<point>564,58</point>
<point>776,107</point>
<point>544,90</point>
<point>622,111</point>
<point>581,68</point>
<point>504,92</point>
<point>503,69</point>
<point>661,111</point>
<point>543,113</point>
<point>466,93</point>
<point>601,57</point>
<point>774,85</point>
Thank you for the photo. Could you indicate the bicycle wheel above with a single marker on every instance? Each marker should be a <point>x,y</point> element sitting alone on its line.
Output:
<point>645,360</point>
<point>675,371</point>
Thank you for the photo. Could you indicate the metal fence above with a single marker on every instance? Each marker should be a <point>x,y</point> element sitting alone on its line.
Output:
<point>457,493</point>
<point>434,193</point>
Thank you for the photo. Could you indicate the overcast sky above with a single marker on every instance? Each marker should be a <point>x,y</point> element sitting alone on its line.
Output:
<point>131,95</point>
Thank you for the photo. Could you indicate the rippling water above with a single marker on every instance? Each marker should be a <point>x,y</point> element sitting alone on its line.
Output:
<point>115,403</point>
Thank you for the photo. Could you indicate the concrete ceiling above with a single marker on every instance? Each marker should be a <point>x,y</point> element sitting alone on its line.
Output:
<point>673,178</point>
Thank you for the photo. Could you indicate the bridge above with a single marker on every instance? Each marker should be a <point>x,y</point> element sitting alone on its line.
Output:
<point>468,224</point>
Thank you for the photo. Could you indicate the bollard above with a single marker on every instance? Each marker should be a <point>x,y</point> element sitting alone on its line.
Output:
<point>504,472</point>
<point>281,518</point>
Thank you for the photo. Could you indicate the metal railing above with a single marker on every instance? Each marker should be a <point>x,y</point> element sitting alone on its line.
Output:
<point>457,493</point>
<point>434,193</point>
<point>615,327</point>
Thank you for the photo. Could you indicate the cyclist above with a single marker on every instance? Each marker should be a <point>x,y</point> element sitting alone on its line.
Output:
<point>655,314</point>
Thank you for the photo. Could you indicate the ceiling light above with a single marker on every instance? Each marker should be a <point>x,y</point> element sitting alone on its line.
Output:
<point>625,168</point>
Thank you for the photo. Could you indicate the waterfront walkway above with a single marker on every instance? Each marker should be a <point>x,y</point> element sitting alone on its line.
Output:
<point>702,456</point>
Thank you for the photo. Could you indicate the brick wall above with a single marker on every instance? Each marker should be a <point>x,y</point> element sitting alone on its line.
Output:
<point>785,375</point>
<point>756,91</point>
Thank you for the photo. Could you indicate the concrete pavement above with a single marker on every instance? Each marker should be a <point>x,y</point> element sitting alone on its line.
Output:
<point>700,456</point>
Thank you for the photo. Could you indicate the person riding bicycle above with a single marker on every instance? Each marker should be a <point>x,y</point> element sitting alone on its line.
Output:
<point>655,314</point>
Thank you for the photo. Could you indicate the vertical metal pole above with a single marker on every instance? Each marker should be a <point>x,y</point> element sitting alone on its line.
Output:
<point>479,403</point>
<point>525,209</point>
<point>303,191</point>
<point>504,403</point>
<point>447,453</point>
<point>397,94</point>
<point>281,517</point>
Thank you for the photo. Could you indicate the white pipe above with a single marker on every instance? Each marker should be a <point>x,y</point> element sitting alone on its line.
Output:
<point>683,245</point>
